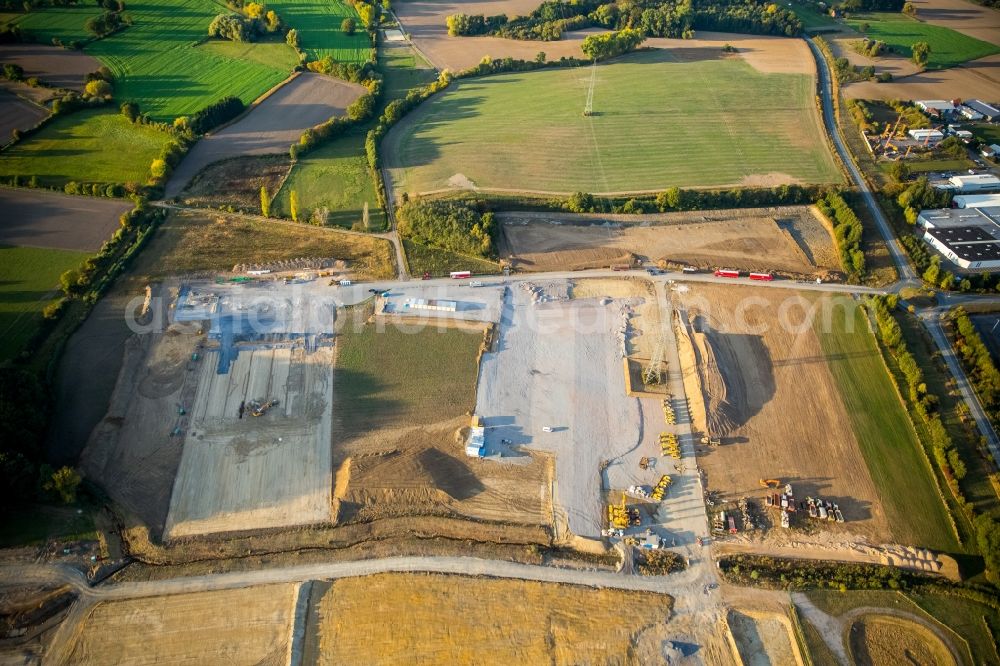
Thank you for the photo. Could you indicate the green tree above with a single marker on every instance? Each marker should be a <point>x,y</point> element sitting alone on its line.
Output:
<point>933,273</point>
<point>293,205</point>
<point>98,88</point>
<point>265,202</point>
<point>540,57</point>
<point>130,110</point>
<point>367,13</point>
<point>920,53</point>
<point>348,26</point>
<point>64,482</point>
<point>899,171</point>
<point>292,38</point>
<point>158,169</point>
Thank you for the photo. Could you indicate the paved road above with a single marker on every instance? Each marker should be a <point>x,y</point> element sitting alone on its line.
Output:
<point>901,261</point>
<point>932,321</point>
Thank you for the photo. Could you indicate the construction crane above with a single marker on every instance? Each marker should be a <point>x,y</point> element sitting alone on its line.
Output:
<point>893,132</point>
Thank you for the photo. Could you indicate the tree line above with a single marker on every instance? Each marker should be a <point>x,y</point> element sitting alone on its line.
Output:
<point>457,226</point>
<point>847,232</point>
<point>653,18</point>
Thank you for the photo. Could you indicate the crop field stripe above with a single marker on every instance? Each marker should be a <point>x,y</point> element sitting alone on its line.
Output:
<point>526,131</point>
<point>318,24</point>
<point>895,461</point>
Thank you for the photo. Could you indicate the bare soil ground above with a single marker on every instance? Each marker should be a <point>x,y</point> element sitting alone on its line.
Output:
<point>884,639</point>
<point>244,626</point>
<point>58,67</point>
<point>961,16</point>
<point>974,79</point>
<point>424,22</point>
<point>17,114</point>
<point>840,44</point>
<point>769,395</point>
<point>38,218</point>
<point>237,182</point>
<point>457,619</point>
<point>271,127</point>
<point>763,638</point>
<point>791,239</point>
<point>243,472</point>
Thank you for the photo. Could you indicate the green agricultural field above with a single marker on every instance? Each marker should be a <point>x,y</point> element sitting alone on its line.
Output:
<point>900,32</point>
<point>94,146</point>
<point>811,15</point>
<point>895,459</point>
<point>318,23</point>
<point>659,123</point>
<point>270,54</point>
<point>47,23</point>
<point>29,280</point>
<point>423,259</point>
<point>335,177</point>
<point>157,63</point>
<point>386,375</point>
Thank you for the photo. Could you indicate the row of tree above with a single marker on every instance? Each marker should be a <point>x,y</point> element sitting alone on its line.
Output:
<point>847,232</point>
<point>611,44</point>
<point>654,18</point>
<point>978,362</point>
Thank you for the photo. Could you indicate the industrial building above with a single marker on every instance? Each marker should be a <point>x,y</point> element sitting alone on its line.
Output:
<point>970,248</point>
<point>430,304</point>
<point>936,107</point>
<point>980,182</point>
<point>927,136</point>
<point>968,237</point>
<point>976,201</point>
<point>987,111</point>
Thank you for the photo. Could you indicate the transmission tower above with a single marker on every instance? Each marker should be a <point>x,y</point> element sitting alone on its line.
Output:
<point>654,371</point>
<point>588,110</point>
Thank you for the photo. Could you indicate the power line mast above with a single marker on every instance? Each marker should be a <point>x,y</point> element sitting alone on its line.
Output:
<point>588,110</point>
<point>654,371</point>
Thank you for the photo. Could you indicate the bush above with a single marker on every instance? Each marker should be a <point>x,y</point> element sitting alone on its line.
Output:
<point>233,27</point>
<point>450,225</point>
<point>215,114</point>
<point>348,26</point>
<point>98,88</point>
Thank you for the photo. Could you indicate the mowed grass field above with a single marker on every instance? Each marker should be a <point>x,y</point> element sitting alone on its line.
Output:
<point>195,243</point>
<point>895,460</point>
<point>157,64</point>
<point>93,146</point>
<point>271,54</point>
<point>948,47</point>
<point>388,375</point>
<point>318,23</point>
<point>28,279</point>
<point>660,122</point>
<point>63,23</point>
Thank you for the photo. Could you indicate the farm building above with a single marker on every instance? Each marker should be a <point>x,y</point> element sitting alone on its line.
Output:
<point>969,114</point>
<point>971,248</point>
<point>963,135</point>
<point>929,136</point>
<point>936,107</point>
<point>431,304</point>
<point>987,111</point>
<point>980,182</point>
<point>991,150</point>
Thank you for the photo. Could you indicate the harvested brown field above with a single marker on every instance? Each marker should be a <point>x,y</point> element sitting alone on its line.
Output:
<point>883,639</point>
<point>37,218</point>
<point>57,67</point>
<point>244,626</point>
<point>424,21</point>
<point>791,239</point>
<point>239,472</point>
<point>769,394</point>
<point>17,114</point>
<point>190,242</point>
<point>270,127</point>
<point>974,79</point>
<point>440,619</point>
<point>763,638</point>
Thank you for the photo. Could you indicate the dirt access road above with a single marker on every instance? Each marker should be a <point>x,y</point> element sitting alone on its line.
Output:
<point>276,122</point>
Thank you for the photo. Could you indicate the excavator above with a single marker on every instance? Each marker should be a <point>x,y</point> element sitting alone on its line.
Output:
<point>260,408</point>
<point>770,483</point>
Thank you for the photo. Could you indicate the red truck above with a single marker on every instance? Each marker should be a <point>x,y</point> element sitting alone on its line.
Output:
<point>762,277</point>
<point>726,273</point>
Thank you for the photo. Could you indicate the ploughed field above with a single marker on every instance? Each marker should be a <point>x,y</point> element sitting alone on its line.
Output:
<point>661,118</point>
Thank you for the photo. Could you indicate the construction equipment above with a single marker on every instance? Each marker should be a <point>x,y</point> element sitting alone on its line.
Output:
<point>661,487</point>
<point>257,408</point>
<point>769,483</point>
<point>644,463</point>
<point>618,515</point>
